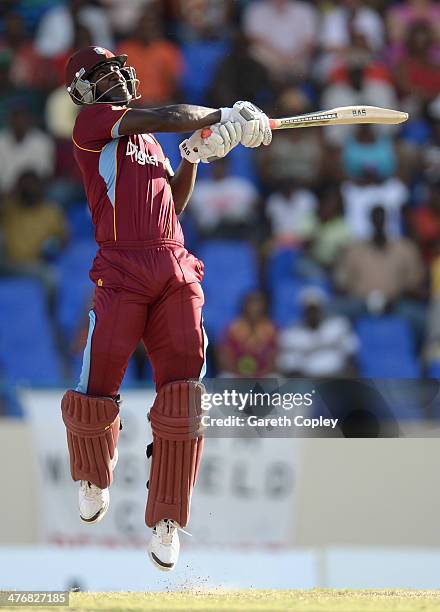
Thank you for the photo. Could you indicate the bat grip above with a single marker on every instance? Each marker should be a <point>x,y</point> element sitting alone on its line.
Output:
<point>206,132</point>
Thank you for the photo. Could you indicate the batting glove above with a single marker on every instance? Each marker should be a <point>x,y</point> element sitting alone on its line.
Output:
<point>254,123</point>
<point>222,138</point>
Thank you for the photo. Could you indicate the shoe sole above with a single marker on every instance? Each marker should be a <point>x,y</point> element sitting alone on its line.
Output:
<point>163,567</point>
<point>96,517</point>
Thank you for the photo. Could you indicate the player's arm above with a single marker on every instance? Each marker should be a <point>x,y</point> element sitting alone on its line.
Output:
<point>175,118</point>
<point>182,184</point>
<point>187,117</point>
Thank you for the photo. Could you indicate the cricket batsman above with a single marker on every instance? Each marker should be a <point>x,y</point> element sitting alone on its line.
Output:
<point>147,285</point>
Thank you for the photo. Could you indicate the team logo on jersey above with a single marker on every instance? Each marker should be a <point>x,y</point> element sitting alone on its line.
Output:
<point>99,50</point>
<point>142,157</point>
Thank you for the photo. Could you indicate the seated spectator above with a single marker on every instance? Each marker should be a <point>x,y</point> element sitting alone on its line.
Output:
<point>23,147</point>
<point>228,84</point>
<point>365,149</point>
<point>291,212</point>
<point>320,345</point>
<point>33,231</point>
<point>401,16</point>
<point>347,16</point>
<point>55,32</point>
<point>331,233</point>
<point>203,20</point>
<point>361,195</point>
<point>358,79</point>
<point>294,155</point>
<point>431,153</point>
<point>124,15</point>
<point>417,75</point>
<point>12,95</point>
<point>283,34</point>
<point>382,272</point>
<point>224,206</point>
<point>249,346</point>
<point>28,69</point>
<point>425,223</point>
<point>158,62</point>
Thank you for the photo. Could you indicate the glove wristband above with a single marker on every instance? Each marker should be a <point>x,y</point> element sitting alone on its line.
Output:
<point>225,114</point>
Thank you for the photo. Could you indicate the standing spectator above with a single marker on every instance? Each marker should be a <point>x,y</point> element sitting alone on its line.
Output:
<point>22,147</point>
<point>224,205</point>
<point>158,62</point>
<point>250,343</point>
<point>318,346</point>
<point>283,34</point>
<point>56,29</point>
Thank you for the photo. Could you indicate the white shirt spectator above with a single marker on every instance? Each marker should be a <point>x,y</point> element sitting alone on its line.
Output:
<point>292,216</point>
<point>34,152</point>
<point>288,29</point>
<point>317,352</point>
<point>124,15</point>
<point>56,29</point>
<point>335,28</point>
<point>392,194</point>
<point>230,199</point>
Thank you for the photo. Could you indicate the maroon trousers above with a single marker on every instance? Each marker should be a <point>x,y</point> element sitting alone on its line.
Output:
<point>149,292</point>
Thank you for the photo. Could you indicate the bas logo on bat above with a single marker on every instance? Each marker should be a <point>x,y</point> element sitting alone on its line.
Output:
<point>359,112</point>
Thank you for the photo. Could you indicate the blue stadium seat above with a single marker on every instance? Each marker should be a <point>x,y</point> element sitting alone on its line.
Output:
<point>75,289</point>
<point>27,348</point>
<point>230,273</point>
<point>201,59</point>
<point>286,308</point>
<point>281,266</point>
<point>386,348</point>
<point>80,222</point>
<point>170,145</point>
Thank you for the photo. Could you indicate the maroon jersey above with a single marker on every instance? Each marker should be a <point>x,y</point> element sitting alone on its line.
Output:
<point>125,179</point>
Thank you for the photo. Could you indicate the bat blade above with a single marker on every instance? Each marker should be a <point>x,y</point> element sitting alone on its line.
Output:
<point>343,115</point>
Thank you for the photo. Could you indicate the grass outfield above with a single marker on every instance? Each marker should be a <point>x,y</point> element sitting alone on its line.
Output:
<point>316,600</point>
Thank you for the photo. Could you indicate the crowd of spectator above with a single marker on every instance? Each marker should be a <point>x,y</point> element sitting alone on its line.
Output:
<point>358,207</point>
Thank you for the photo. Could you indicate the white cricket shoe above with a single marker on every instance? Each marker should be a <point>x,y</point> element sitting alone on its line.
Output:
<point>164,546</point>
<point>93,501</point>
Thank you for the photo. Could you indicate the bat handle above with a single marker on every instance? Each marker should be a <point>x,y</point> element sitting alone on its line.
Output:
<point>206,132</point>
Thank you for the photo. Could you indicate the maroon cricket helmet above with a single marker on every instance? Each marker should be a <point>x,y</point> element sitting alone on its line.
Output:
<point>82,63</point>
